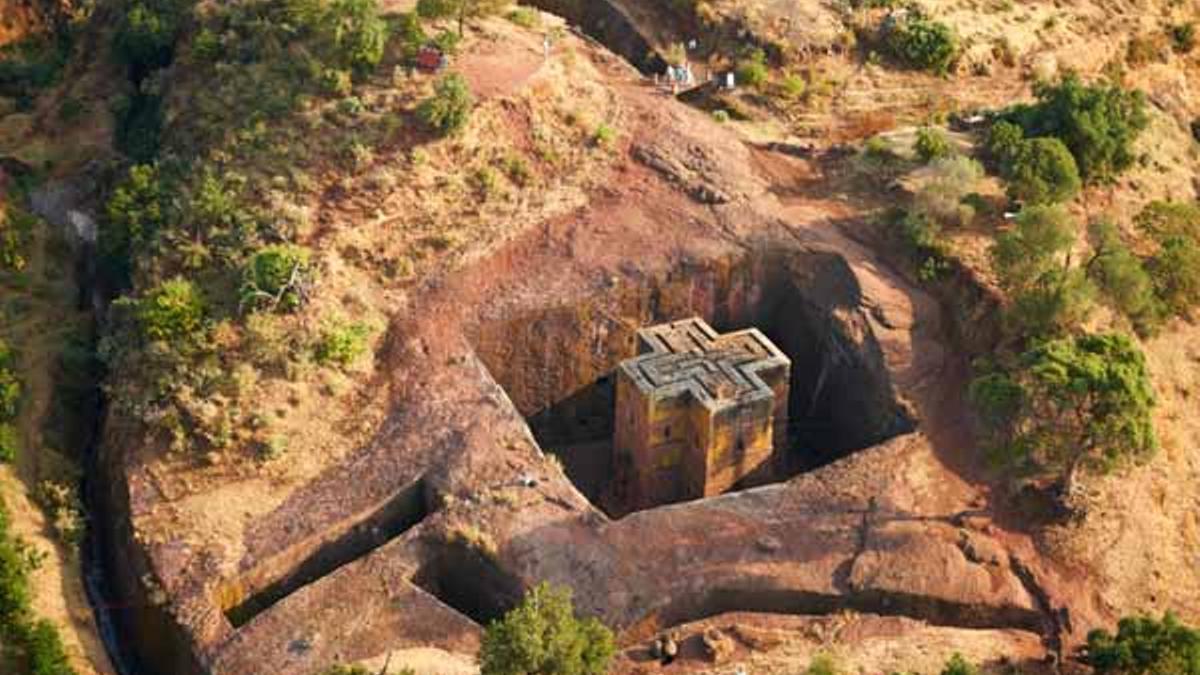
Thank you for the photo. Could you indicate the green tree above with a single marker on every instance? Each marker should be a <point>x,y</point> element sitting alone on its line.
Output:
<point>1033,265</point>
<point>920,42</point>
<point>1097,123</point>
<point>448,110</point>
<point>543,635</point>
<point>1037,244</point>
<point>1145,646</point>
<point>173,311</point>
<point>1069,405</point>
<point>1042,171</point>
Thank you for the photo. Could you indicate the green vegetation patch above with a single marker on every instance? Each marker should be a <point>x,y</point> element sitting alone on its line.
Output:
<point>543,635</point>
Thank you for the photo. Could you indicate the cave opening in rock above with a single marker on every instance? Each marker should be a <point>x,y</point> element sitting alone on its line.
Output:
<point>558,364</point>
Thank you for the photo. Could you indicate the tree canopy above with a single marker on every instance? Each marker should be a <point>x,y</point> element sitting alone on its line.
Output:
<point>1098,123</point>
<point>542,635</point>
<point>1145,646</point>
<point>1068,405</point>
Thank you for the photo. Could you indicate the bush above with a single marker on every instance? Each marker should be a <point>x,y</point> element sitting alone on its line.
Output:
<point>1070,405</point>
<point>1145,645</point>
<point>1174,266</point>
<point>45,651</point>
<point>9,442</point>
<point>957,665</point>
<point>1042,171</point>
<point>134,215</point>
<point>276,277</point>
<point>942,196</point>
<point>1097,123</point>
<point>355,33</point>
<point>932,144</point>
<point>751,70</point>
<point>448,110</point>
<point>1004,141</point>
<point>1183,37</point>
<point>1123,278</point>
<point>342,343</point>
<point>921,43</point>
<point>16,233</point>
<point>173,311</point>
<point>822,664</point>
<point>1033,267</point>
<point>543,635</point>
<point>10,385</point>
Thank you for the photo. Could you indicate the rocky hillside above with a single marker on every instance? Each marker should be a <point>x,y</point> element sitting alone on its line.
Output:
<point>358,274</point>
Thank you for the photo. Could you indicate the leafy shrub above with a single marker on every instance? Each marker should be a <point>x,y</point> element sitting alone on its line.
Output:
<point>9,442</point>
<point>35,644</point>
<point>793,86</point>
<point>1004,141</point>
<point>1123,278</point>
<point>957,665</point>
<point>411,34</point>
<point>822,664</point>
<point>1033,266</point>
<point>356,33</point>
<point>1183,37</point>
<point>932,144</point>
<point>10,386</point>
<point>275,278</point>
<point>1069,405</point>
<point>1145,645</point>
<point>942,196</point>
<point>1097,123</point>
<point>46,652</point>
<point>16,233</point>
<point>525,17</point>
<point>173,311</point>
<point>1042,171</point>
<point>1174,266</point>
<point>448,110</point>
<point>920,42</point>
<point>604,136</point>
<point>543,635</point>
<point>342,343</point>
<point>751,70</point>
<point>133,216</point>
